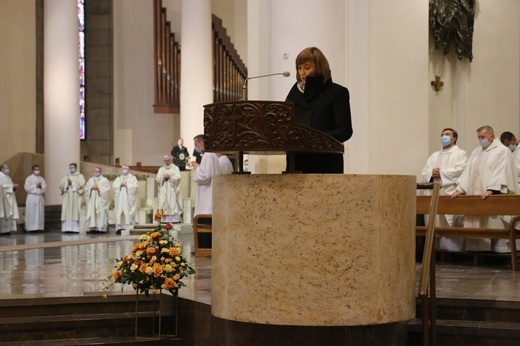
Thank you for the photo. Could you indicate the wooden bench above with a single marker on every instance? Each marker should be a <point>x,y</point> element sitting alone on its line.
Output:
<point>201,227</point>
<point>475,205</point>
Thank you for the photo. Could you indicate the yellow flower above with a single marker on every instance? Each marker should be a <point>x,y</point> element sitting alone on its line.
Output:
<point>163,242</point>
<point>165,250</point>
<point>119,264</point>
<point>149,270</point>
<point>175,251</point>
<point>177,258</point>
<point>133,267</point>
<point>176,277</point>
<point>168,268</point>
<point>116,275</point>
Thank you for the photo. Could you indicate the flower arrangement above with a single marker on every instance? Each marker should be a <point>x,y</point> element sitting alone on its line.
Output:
<point>155,263</point>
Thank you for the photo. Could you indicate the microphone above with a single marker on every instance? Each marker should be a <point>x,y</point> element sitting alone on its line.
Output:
<point>244,87</point>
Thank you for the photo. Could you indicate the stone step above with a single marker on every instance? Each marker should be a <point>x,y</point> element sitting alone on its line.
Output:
<point>84,318</point>
<point>115,341</point>
<point>468,332</point>
<point>471,322</point>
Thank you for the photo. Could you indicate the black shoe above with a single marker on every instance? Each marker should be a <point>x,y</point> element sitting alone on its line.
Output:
<point>118,231</point>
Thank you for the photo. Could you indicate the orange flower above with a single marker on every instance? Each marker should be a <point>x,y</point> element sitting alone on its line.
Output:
<point>135,248</point>
<point>158,216</point>
<point>168,226</point>
<point>151,251</point>
<point>157,269</point>
<point>174,251</point>
<point>169,284</point>
<point>156,235</point>
<point>143,245</point>
<point>142,267</point>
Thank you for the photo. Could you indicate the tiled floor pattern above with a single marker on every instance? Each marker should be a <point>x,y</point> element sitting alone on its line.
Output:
<point>31,265</point>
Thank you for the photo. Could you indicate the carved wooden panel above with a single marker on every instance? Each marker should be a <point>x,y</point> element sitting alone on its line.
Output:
<point>261,127</point>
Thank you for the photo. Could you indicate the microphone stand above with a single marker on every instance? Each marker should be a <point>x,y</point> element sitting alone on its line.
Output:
<point>244,87</point>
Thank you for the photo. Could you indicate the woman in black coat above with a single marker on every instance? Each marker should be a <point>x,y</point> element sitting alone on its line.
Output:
<point>321,104</point>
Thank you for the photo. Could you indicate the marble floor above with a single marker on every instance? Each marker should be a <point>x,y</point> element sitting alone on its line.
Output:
<point>52,264</point>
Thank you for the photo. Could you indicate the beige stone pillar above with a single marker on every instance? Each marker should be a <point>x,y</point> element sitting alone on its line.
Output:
<point>61,90</point>
<point>196,67</point>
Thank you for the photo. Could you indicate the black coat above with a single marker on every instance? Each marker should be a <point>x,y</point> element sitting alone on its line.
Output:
<point>324,107</point>
<point>176,151</point>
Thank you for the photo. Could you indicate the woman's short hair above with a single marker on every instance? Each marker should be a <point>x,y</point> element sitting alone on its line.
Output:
<point>318,58</point>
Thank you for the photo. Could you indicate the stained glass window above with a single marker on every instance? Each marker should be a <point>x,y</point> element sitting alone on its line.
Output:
<point>81,51</point>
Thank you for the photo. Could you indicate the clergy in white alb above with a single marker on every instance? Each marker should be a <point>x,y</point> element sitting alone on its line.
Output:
<point>72,187</point>
<point>509,140</point>
<point>516,163</point>
<point>97,194</point>
<point>170,197</point>
<point>5,212</point>
<point>489,171</point>
<point>34,202</point>
<point>9,189</point>
<point>202,176</point>
<point>446,166</point>
<point>226,167</point>
<point>125,199</point>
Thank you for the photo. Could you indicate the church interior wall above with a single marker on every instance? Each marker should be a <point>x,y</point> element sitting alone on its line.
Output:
<point>485,91</point>
<point>493,86</point>
<point>17,77</point>
<point>139,134</point>
<point>402,110</point>
<point>398,90</point>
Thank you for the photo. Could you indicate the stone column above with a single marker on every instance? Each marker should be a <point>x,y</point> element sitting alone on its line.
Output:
<point>196,67</point>
<point>61,89</point>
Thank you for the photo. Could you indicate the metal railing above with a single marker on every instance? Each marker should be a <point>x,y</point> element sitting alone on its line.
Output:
<point>428,269</point>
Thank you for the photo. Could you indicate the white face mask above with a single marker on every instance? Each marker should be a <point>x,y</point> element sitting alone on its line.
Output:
<point>484,143</point>
<point>125,171</point>
<point>36,172</point>
<point>512,147</point>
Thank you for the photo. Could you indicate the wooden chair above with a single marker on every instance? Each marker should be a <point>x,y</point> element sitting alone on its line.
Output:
<point>202,225</point>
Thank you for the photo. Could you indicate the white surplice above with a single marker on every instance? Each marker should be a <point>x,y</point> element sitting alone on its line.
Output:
<point>516,162</point>
<point>71,201</point>
<point>451,163</point>
<point>209,166</point>
<point>125,200</point>
<point>10,199</point>
<point>170,196</point>
<point>488,169</point>
<point>97,203</point>
<point>34,203</point>
<point>5,213</point>
<point>226,167</point>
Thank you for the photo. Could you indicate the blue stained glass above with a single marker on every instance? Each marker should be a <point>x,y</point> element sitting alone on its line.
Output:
<point>81,69</point>
<point>81,72</point>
